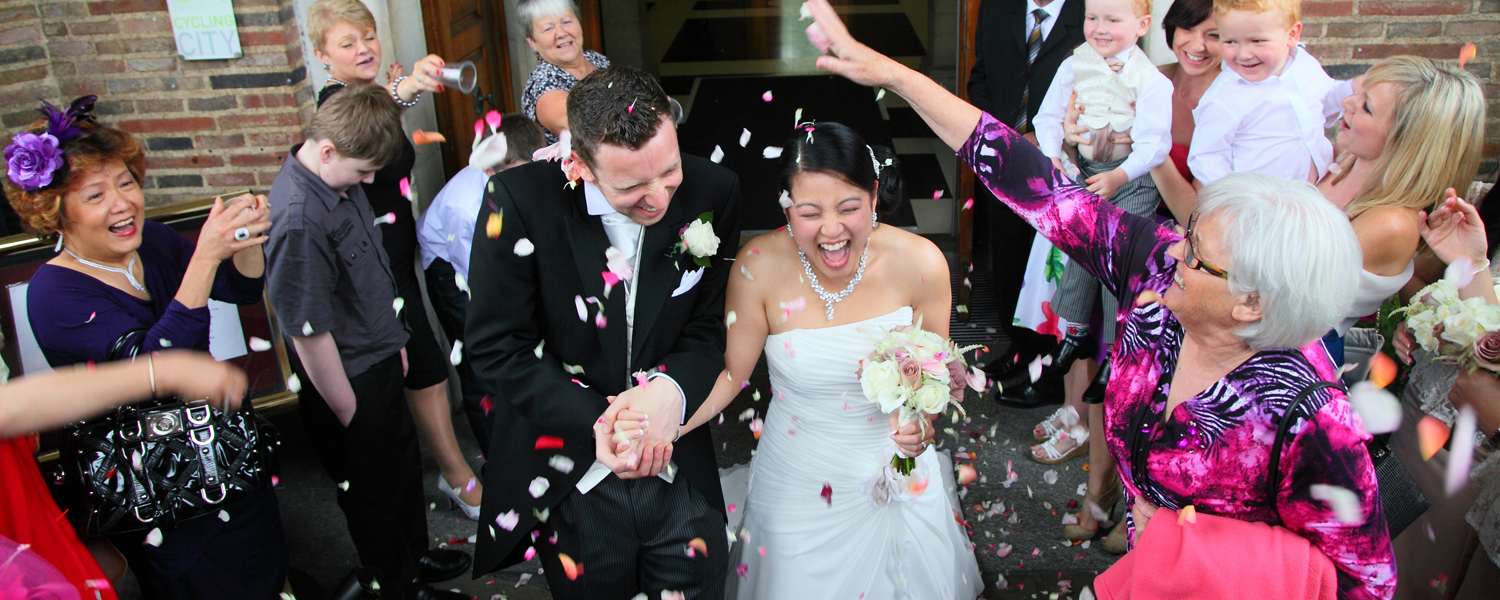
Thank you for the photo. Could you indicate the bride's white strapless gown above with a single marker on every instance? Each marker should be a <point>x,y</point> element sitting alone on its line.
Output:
<point>820,430</point>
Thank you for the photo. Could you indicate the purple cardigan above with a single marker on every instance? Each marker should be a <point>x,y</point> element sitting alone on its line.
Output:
<point>76,317</point>
<point>1212,451</point>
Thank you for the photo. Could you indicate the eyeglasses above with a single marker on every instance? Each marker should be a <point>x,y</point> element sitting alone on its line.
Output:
<point>1191,259</point>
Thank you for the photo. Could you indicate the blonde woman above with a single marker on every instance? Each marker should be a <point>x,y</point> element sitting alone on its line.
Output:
<point>344,40</point>
<point>1412,129</point>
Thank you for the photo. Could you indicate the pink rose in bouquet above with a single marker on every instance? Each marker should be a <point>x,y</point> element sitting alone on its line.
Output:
<point>911,373</point>
<point>1487,350</point>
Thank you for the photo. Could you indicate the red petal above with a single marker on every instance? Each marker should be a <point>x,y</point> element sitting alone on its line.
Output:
<point>547,442</point>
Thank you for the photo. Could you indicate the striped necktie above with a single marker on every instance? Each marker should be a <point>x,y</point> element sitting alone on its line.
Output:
<point>1033,46</point>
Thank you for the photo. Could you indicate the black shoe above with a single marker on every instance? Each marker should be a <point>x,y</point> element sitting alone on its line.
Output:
<point>1095,393</point>
<point>359,585</point>
<point>1020,393</point>
<point>1073,347</point>
<point>442,565</point>
<point>427,592</point>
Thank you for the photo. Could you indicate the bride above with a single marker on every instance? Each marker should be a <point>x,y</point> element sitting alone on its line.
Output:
<point>816,296</point>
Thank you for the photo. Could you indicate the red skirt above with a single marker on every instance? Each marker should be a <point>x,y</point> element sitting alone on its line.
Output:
<point>29,516</point>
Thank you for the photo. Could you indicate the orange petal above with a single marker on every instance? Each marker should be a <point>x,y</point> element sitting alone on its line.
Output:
<point>1432,433</point>
<point>1187,514</point>
<point>1466,53</point>
<point>1382,370</point>
<point>572,569</point>
<point>420,137</point>
<point>492,227</point>
<point>699,546</point>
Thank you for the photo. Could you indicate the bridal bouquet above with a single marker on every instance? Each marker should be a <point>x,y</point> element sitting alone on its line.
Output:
<point>1462,332</point>
<point>914,371</point>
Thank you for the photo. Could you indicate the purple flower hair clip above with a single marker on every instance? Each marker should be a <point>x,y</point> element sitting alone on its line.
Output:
<point>32,159</point>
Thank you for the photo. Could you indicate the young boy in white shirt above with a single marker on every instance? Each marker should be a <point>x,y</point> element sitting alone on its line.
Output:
<point>1120,91</point>
<point>1265,113</point>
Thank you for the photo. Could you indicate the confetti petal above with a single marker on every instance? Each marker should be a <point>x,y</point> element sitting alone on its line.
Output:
<point>766,97</point>
<point>745,136</point>
<point>492,119</point>
<point>528,555</point>
<point>548,442</point>
<point>405,186</point>
<point>307,328</point>
<point>573,369</point>
<point>1346,506</point>
<point>977,379</point>
<point>1432,433</point>
<point>1382,370</point>
<point>561,463</point>
<point>524,247</point>
<point>344,485</point>
<point>398,304</point>
<point>538,487</point>
<point>294,384</point>
<point>818,38</point>
<point>1466,53</point>
<point>1004,550</point>
<point>1035,369</point>
<point>1378,409</point>
<point>259,345</point>
<point>699,546</point>
<point>785,200</point>
<point>1147,297</point>
<point>746,273</point>
<point>1050,476</point>
<point>1188,514</point>
<point>729,319</point>
<point>756,425</point>
<point>462,282</point>
<point>508,520</point>
<point>583,311</point>
<point>1461,453</point>
<point>827,494</point>
<point>771,152</point>
<point>718,154</point>
<point>154,538</point>
<point>1459,272</point>
<point>937,194</point>
<point>420,137</point>
<point>492,226</point>
<point>967,474</point>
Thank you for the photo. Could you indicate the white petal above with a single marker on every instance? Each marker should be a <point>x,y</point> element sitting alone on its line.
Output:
<point>1035,369</point>
<point>508,520</point>
<point>745,136</point>
<point>1345,504</point>
<point>166,343</point>
<point>307,329</point>
<point>294,384</point>
<point>583,311</point>
<point>1460,451</point>
<point>538,487</point>
<point>1459,272</point>
<point>224,516</point>
<point>524,247</point>
<point>718,154</point>
<point>771,152</point>
<point>1049,476</point>
<point>730,319</point>
<point>344,485</point>
<point>154,538</point>
<point>398,303</point>
<point>785,200</point>
<point>259,345</point>
<point>456,356</point>
<point>462,282</point>
<point>562,463</point>
<point>1378,409</point>
<point>538,350</point>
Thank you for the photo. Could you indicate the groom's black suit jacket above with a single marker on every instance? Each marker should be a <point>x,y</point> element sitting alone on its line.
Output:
<point>520,302</point>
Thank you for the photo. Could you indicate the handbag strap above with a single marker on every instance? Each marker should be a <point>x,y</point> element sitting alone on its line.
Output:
<point>1283,427</point>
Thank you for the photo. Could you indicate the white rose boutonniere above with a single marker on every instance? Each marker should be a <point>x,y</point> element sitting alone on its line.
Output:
<point>699,240</point>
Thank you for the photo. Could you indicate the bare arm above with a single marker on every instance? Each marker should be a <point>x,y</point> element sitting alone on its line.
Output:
<point>39,402</point>
<point>747,336</point>
<point>552,111</point>
<point>320,357</point>
<point>1180,196</point>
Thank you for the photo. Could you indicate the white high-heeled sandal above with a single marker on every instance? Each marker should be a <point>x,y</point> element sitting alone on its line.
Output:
<point>1080,438</point>
<point>1065,415</point>
<point>470,511</point>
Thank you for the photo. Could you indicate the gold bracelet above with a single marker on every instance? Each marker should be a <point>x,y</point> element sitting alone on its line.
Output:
<point>151,370</point>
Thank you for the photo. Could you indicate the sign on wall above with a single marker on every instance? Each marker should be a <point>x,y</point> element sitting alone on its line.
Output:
<point>204,29</point>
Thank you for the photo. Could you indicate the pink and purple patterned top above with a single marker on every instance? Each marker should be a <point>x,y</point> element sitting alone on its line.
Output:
<point>1213,451</point>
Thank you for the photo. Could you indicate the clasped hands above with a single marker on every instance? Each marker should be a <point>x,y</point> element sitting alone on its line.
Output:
<point>634,436</point>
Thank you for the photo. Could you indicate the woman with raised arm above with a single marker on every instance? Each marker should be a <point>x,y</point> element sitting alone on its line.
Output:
<point>1221,344</point>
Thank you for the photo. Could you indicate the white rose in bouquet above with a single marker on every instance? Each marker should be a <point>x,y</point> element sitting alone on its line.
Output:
<point>1488,315</point>
<point>881,382</point>
<point>1461,328</point>
<point>700,240</point>
<point>932,398</point>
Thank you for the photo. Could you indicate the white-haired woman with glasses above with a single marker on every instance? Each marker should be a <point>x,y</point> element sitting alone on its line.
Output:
<point>554,33</point>
<point>1220,341</point>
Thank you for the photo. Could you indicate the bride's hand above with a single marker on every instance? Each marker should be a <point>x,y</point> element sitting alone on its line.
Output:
<point>912,438</point>
<point>846,56</point>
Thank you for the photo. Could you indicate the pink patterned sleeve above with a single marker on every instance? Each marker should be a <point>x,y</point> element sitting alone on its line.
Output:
<point>1111,244</point>
<point>1330,450</point>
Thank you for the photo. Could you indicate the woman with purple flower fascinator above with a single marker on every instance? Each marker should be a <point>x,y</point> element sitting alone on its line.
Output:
<point>121,286</point>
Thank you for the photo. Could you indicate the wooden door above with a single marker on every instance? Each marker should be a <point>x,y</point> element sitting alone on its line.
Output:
<point>460,30</point>
<point>968,17</point>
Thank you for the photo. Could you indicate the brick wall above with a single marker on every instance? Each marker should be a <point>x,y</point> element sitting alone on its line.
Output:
<point>209,126</point>
<point>1348,36</point>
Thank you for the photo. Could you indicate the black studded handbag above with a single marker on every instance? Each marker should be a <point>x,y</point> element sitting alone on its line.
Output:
<point>160,462</point>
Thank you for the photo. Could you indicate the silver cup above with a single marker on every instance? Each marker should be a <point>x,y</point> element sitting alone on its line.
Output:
<point>460,76</point>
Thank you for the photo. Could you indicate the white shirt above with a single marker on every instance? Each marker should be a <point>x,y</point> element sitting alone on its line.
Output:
<point>1151,135</point>
<point>1275,126</point>
<point>446,230</point>
<point>626,236</point>
<point>1052,9</point>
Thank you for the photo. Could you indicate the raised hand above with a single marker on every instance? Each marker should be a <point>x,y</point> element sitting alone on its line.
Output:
<point>847,56</point>
<point>1454,231</point>
<point>424,78</point>
<point>216,239</point>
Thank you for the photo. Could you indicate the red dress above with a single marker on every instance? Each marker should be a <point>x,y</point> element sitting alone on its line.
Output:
<point>29,516</point>
<point>1178,155</point>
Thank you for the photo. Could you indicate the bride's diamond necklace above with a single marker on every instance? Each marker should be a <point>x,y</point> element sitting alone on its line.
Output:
<point>829,298</point>
<point>131,277</point>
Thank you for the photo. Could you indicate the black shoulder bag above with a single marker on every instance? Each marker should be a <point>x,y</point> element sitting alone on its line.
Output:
<point>160,462</point>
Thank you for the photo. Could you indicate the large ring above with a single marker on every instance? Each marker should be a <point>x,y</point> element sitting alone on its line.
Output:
<point>242,234</point>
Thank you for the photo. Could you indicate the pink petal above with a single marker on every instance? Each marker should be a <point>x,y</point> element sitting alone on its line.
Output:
<point>766,97</point>
<point>478,128</point>
<point>937,194</point>
<point>599,320</point>
<point>1035,369</point>
<point>1460,451</point>
<point>406,187</point>
<point>492,118</point>
<point>1004,550</point>
<point>969,204</point>
<point>508,520</point>
<point>818,38</point>
<point>530,554</point>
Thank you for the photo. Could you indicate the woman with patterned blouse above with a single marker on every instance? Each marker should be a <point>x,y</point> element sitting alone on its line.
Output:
<point>1223,336</point>
<point>553,32</point>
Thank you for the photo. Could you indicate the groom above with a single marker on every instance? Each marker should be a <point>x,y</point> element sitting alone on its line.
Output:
<point>551,329</point>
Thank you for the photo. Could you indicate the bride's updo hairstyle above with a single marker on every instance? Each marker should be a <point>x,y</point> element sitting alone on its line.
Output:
<point>839,151</point>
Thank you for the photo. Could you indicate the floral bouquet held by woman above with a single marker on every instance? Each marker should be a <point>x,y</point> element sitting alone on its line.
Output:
<point>914,371</point>
<point>1461,332</point>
